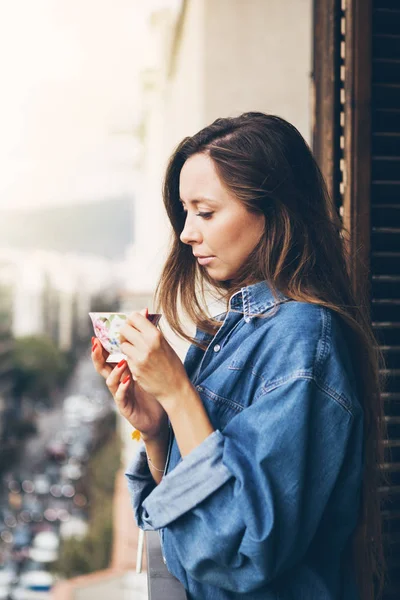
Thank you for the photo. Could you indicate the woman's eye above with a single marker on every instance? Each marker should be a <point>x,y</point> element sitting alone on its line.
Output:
<point>204,215</point>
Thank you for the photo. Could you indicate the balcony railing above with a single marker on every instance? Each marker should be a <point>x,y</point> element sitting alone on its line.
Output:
<point>161,584</point>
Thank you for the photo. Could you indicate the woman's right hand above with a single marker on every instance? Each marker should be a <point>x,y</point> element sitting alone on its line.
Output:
<point>139,408</point>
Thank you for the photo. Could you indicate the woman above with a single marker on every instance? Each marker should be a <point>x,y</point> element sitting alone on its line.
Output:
<point>258,463</point>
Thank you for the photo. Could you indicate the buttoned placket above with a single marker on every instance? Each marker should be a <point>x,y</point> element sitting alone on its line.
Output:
<point>216,347</point>
<point>213,347</point>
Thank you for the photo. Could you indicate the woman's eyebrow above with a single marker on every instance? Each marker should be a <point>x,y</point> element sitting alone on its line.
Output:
<point>199,199</point>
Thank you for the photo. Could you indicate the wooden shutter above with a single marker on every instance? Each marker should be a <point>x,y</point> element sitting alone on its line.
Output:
<point>358,66</point>
<point>385,251</point>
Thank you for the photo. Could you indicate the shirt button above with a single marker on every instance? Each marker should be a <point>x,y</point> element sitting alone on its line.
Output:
<point>217,348</point>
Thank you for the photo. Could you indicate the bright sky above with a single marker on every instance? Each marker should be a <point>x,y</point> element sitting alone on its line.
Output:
<point>69,97</point>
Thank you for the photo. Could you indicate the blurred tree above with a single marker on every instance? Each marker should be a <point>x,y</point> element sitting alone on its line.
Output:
<point>74,559</point>
<point>39,368</point>
<point>14,427</point>
<point>93,553</point>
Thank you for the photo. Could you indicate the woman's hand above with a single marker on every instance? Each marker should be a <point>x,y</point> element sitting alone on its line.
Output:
<point>140,408</point>
<point>152,361</point>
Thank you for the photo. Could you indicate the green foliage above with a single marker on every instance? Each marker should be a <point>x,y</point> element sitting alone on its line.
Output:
<point>74,558</point>
<point>102,469</point>
<point>39,367</point>
<point>93,553</point>
<point>104,429</point>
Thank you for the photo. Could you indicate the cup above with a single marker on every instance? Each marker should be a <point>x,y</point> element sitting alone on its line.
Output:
<point>107,326</point>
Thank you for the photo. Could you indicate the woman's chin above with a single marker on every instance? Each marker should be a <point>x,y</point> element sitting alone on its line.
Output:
<point>221,277</point>
<point>217,273</point>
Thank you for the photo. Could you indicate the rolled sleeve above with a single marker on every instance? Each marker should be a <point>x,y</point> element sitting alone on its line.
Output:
<point>196,477</point>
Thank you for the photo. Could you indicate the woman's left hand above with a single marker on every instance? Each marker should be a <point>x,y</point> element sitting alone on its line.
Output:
<point>153,363</point>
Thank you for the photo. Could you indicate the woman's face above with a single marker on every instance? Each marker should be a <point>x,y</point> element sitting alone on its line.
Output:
<point>217,225</point>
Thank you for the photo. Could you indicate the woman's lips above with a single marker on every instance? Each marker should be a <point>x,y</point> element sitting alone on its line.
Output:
<point>205,260</point>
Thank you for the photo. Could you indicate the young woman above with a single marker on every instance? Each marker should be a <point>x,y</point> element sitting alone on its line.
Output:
<point>258,460</point>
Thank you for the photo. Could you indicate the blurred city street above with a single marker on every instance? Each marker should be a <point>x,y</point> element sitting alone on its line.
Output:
<point>44,497</point>
<point>84,381</point>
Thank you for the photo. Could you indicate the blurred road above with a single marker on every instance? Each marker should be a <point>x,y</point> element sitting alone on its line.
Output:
<point>45,492</point>
<point>85,381</point>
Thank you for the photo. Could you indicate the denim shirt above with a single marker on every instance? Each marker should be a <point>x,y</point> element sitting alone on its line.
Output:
<point>265,506</point>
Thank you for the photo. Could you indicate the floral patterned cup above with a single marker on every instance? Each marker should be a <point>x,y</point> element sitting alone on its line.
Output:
<point>106,328</point>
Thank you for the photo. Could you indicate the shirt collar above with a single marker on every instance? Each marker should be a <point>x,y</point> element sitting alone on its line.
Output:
<point>256,298</point>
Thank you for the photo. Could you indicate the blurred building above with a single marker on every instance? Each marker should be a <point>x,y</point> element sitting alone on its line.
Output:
<point>27,310</point>
<point>206,59</point>
<point>51,294</point>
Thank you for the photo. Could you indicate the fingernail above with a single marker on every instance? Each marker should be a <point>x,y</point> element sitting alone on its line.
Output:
<point>93,340</point>
<point>121,363</point>
<point>94,347</point>
<point>126,379</point>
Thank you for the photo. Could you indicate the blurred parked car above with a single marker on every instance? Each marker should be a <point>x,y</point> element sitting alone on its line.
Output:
<point>22,535</point>
<point>33,506</point>
<point>4,592</point>
<point>56,451</point>
<point>46,540</point>
<point>71,471</point>
<point>8,574</point>
<point>81,409</point>
<point>76,527</point>
<point>79,451</point>
<point>43,556</point>
<point>52,471</point>
<point>42,484</point>
<point>45,547</point>
<point>34,581</point>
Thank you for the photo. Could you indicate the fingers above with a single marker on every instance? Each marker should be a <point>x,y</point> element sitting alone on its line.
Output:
<point>113,375</point>
<point>99,356</point>
<point>121,394</point>
<point>119,373</point>
<point>137,321</point>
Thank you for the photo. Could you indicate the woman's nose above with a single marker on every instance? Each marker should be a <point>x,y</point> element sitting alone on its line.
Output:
<point>189,233</point>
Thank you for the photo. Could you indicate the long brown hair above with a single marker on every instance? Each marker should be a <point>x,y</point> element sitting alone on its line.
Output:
<point>267,165</point>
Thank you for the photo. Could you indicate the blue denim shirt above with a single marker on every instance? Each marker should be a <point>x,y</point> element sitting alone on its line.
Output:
<point>264,507</point>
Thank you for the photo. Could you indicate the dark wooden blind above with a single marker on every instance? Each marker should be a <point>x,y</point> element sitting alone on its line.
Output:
<point>385,253</point>
<point>365,93</point>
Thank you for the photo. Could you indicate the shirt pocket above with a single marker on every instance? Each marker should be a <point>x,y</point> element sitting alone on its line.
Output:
<point>231,387</point>
<point>220,409</point>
